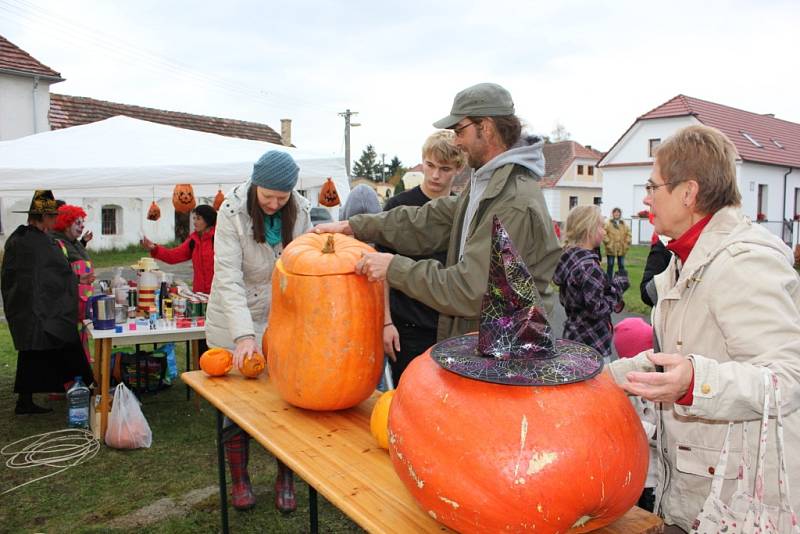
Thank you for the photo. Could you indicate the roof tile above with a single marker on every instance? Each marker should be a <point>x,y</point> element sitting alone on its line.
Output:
<point>14,58</point>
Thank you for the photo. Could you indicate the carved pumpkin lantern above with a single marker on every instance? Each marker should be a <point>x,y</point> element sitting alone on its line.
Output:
<point>324,356</point>
<point>219,198</point>
<point>154,212</point>
<point>216,361</point>
<point>183,198</point>
<point>509,429</point>
<point>328,196</point>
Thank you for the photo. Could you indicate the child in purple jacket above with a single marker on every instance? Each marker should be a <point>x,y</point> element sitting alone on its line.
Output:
<point>586,293</point>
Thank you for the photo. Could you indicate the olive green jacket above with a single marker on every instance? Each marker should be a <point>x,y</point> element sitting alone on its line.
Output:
<point>456,289</point>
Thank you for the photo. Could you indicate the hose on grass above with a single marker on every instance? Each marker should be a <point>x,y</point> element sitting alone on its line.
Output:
<point>60,449</point>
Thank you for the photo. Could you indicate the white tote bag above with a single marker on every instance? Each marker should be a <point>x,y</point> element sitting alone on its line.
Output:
<point>746,512</point>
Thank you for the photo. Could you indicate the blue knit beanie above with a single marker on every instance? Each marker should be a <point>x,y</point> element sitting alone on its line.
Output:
<point>275,170</point>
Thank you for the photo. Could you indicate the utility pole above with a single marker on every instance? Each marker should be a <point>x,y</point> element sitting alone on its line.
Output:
<point>383,168</point>
<point>347,125</point>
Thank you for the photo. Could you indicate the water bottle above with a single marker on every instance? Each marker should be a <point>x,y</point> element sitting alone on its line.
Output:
<point>78,398</point>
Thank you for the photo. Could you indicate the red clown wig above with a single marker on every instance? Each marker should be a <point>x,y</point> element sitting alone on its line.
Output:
<point>67,215</point>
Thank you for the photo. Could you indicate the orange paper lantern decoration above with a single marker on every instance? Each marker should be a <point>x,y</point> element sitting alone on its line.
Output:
<point>183,198</point>
<point>328,196</point>
<point>568,458</point>
<point>253,365</point>
<point>216,361</point>
<point>219,198</point>
<point>324,357</point>
<point>154,212</point>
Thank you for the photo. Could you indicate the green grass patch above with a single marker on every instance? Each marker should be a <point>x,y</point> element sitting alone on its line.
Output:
<point>116,483</point>
<point>121,256</point>
<point>635,261</point>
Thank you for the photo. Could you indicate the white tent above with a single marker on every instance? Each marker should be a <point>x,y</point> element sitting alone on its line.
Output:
<point>123,158</point>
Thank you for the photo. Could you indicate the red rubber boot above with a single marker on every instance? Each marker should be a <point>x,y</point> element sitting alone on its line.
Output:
<point>237,451</point>
<point>285,500</point>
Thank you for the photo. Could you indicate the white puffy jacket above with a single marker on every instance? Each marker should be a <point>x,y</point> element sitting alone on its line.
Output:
<point>241,290</point>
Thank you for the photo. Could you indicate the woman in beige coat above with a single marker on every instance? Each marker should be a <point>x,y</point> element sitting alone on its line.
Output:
<point>617,241</point>
<point>254,223</point>
<point>729,306</point>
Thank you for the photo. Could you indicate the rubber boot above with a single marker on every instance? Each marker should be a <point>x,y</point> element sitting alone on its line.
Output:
<point>285,500</point>
<point>237,451</point>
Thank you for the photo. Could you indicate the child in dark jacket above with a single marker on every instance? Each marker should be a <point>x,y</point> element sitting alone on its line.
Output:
<point>586,293</point>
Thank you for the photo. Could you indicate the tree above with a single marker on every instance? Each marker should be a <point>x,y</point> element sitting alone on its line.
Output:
<point>367,165</point>
<point>559,133</point>
<point>394,166</point>
<point>400,187</point>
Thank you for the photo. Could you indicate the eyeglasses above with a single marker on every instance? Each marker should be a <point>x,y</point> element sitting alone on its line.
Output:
<point>460,129</point>
<point>650,187</point>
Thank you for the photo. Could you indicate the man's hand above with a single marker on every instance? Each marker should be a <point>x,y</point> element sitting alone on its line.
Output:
<point>668,386</point>
<point>147,244</point>
<point>374,265</point>
<point>246,346</point>
<point>391,341</point>
<point>341,227</point>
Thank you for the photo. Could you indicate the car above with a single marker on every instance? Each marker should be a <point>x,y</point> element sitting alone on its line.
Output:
<point>320,215</point>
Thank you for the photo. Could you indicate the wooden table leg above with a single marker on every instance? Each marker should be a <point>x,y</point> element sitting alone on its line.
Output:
<point>188,368</point>
<point>105,383</point>
<point>223,491</point>
<point>98,348</point>
<point>195,367</point>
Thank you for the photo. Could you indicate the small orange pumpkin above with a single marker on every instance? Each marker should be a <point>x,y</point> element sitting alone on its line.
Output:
<point>219,198</point>
<point>253,365</point>
<point>216,361</point>
<point>328,196</point>
<point>154,213</point>
<point>183,198</point>
<point>379,420</point>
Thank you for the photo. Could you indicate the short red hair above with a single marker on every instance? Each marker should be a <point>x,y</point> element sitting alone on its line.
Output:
<point>67,215</point>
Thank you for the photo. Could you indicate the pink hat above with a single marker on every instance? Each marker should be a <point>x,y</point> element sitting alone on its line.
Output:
<point>632,336</point>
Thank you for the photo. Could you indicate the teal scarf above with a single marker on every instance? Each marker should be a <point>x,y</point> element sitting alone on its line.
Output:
<point>272,228</point>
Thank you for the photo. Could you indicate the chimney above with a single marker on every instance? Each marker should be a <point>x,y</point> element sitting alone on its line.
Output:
<point>286,131</point>
<point>589,147</point>
<point>769,115</point>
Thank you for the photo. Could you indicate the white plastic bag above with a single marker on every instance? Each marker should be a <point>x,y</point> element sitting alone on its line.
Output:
<point>127,427</point>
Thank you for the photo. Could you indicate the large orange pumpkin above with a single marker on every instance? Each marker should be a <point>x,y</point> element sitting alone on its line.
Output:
<point>484,457</point>
<point>183,198</point>
<point>324,343</point>
<point>253,365</point>
<point>216,361</point>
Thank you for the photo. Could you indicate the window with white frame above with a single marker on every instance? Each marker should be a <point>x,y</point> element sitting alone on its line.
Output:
<point>111,220</point>
<point>652,145</point>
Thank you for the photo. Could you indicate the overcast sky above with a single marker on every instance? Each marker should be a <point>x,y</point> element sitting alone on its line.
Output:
<point>593,66</point>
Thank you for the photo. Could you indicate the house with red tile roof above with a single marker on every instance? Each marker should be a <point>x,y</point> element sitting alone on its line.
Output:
<point>768,164</point>
<point>571,177</point>
<point>25,89</point>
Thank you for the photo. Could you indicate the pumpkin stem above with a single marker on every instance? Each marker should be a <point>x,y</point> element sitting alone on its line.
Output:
<point>328,248</point>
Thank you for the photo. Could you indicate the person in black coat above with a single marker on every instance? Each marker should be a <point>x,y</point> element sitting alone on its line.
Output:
<point>657,260</point>
<point>40,299</point>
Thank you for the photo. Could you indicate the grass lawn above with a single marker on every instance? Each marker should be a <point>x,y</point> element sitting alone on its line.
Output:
<point>634,262</point>
<point>116,483</point>
<point>120,257</point>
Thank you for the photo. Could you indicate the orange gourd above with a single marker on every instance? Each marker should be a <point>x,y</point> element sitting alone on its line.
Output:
<point>216,361</point>
<point>183,198</point>
<point>324,343</point>
<point>379,419</point>
<point>484,457</point>
<point>253,365</point>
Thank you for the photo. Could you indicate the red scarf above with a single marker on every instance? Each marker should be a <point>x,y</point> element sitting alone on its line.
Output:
<point>683,246</point>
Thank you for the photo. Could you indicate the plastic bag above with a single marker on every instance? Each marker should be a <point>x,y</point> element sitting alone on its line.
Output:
<point>127,427</point>
<point>172,365</point>
<point>328,196</point>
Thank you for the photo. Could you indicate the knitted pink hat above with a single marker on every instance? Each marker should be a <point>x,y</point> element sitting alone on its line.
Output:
<point>632,336</point>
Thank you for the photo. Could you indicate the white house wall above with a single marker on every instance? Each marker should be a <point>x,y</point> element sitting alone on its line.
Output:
<point>17,107</point>
<point>623,188</point>
<point>635,147</point>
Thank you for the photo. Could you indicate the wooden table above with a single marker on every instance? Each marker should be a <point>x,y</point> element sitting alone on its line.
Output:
<point>336,455</point>
<point>105,339</point>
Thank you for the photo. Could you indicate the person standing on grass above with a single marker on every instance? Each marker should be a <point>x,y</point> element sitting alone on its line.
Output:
<point>616,242</point>
<point>587,295</point>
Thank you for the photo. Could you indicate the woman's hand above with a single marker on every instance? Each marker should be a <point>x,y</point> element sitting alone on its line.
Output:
<point>341,227</point>
<point>147,244</point>
<point>87,237</point>
<point>391,341</point>
<point>86,278</point>
<point>374,265</point>
<point>245,347</point>
<point>668,386</point>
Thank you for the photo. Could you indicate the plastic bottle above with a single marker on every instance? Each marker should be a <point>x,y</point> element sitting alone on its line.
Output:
<point>78,398</point>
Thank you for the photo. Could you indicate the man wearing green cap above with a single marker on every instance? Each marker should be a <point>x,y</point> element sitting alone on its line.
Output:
<point>505,182</point>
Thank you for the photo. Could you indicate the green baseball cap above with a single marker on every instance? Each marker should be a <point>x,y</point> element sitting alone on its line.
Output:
<point>482,100</point>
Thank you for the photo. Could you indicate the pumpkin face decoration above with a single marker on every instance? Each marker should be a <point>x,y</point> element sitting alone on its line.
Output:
<point>154,212</point>
<point>324,357</point>
<point>216,361</point>
<point>183,198</point>
<point>379,420</point>
<point>219,198</point>
<point>328,196</point>
<point>253,365</point>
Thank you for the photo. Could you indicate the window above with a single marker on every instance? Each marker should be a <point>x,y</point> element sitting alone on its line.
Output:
<point>590,168</point>
<point>110,218</point>
<point>761,214</point>
<point>580,169</point>
<point>777,144</point>
<point>597,201</point>
<point>652,146</point>
<point>750,138</point>
<point>573,201</point>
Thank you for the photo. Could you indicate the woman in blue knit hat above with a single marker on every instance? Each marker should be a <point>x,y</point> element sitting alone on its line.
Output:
<point>256,220</point>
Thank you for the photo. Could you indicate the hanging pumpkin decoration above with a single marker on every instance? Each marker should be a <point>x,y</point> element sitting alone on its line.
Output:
<point>253,365</point>
<point>216,361</point>
<point>324,358</point>
<point>328,196</point>
<point>510,429</point>
<point>154,212</point>
<point>219,198</point>
<point>379,420</point>
<point>183,198</point>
